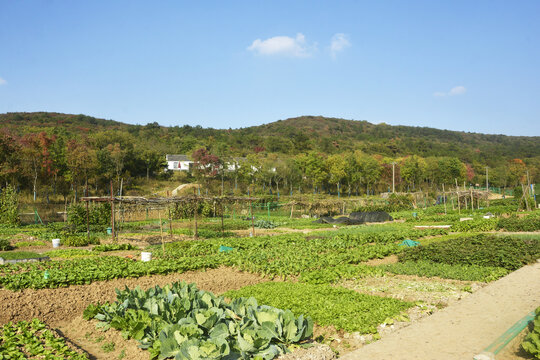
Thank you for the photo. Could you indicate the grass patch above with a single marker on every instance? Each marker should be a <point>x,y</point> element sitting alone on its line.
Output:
<point>16,255</point>
<point>70,253</point>
<point>23,244</point>
<point>327,305</point>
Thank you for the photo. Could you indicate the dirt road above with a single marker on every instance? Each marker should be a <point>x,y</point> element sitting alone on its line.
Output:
<point>465,328</point>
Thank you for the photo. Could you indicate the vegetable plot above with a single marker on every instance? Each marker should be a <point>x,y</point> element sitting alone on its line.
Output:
<point>531,343</point>
<point>327,305</point>
<point>179,321</point>
<point>32,340</point>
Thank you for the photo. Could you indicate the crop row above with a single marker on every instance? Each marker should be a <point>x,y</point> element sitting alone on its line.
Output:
<point>55,274</point>
<point>514,223</point>
<point>24,340</point>
<point>327,305</point>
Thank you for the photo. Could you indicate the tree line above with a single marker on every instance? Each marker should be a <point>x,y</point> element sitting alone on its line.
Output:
<point>48,153</point>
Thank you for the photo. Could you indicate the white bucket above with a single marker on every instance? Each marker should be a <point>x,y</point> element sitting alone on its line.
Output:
<point>146,256</point>
<point>55,243</point>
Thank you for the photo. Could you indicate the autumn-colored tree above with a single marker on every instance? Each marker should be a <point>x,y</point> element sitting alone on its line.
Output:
<point>37,158</point>
<point>10,161</point>
<point>205,165</point>
<point>80,160</point>
<point>469,172</point>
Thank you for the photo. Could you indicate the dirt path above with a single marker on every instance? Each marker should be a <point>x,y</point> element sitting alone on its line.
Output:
<point>465,328</point>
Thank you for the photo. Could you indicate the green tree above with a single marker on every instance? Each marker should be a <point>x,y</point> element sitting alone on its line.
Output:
<point>450,169</point>
<point>369,168</point>
<point>413,170</point>
<point>337,170</point>
<point>154,161</point>
<point>315,169</point>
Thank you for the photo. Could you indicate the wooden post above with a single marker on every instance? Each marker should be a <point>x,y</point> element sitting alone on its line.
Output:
<point>161,232</point>
<point>444,198</point>
<point>222,226</point>
<point>87,222</point>
<point>170,223</point>
<point>458,203</point>
<point>195,210</point>
<point>252,220</point>
<point>112,213</point>
<point>525,193</point>
<point>292,209</point>
<point>472,200</point>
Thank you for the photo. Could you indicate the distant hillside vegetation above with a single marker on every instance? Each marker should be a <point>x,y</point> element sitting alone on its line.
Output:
<point>291,136</point>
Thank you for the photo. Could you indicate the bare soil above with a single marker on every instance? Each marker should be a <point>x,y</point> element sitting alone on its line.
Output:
<point>436,291</point>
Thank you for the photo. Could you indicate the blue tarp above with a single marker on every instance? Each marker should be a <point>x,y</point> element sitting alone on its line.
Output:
<point>225,248</point>
<point>409,243</point>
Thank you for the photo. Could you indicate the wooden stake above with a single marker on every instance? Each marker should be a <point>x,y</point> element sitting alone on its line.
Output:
<point>112,213</point>
<point>252,220</point>
<point>161,232</point>
<point>444,199</point>
<point>222,226</point>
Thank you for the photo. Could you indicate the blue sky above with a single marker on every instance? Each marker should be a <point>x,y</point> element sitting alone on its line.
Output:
<point>460,65</point>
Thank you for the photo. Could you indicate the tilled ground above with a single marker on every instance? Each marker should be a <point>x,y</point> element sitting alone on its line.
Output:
<point>62,308</point>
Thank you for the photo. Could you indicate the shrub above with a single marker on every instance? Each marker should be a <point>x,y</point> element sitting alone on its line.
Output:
<point>186,210</point>
<point>99,217</point>
<point>9,201</point>
<point>78,240</point>
<point>5,245</point>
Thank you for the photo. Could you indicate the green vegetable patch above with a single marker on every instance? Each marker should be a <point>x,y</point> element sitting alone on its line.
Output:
<point>531,343</point>
<point>483,250</point>
<point>327,305</point>
<point>180,321</point>
<point>33,340</point>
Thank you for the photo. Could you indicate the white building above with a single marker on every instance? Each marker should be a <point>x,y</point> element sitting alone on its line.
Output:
<point>178,162</point>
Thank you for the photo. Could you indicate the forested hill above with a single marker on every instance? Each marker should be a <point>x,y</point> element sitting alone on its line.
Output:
<point>291,136</point>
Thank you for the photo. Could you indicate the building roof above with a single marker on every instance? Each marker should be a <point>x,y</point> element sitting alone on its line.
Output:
<point>177,157</point>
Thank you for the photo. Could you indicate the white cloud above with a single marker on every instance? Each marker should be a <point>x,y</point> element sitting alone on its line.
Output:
<point>456,90</point>
<point>339,43</point>
<point>2,81</point>
<point>283,45</point>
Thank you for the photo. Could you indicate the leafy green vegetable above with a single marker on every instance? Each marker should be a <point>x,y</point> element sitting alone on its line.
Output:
<point>483,250</point>
<point>531,343</point>
<point>19,340</point>
<point>327,305</point>
<point>183,322</point>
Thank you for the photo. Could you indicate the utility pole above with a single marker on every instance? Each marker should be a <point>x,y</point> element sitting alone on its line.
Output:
<point>393,177</point>
<point>487,182</point>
